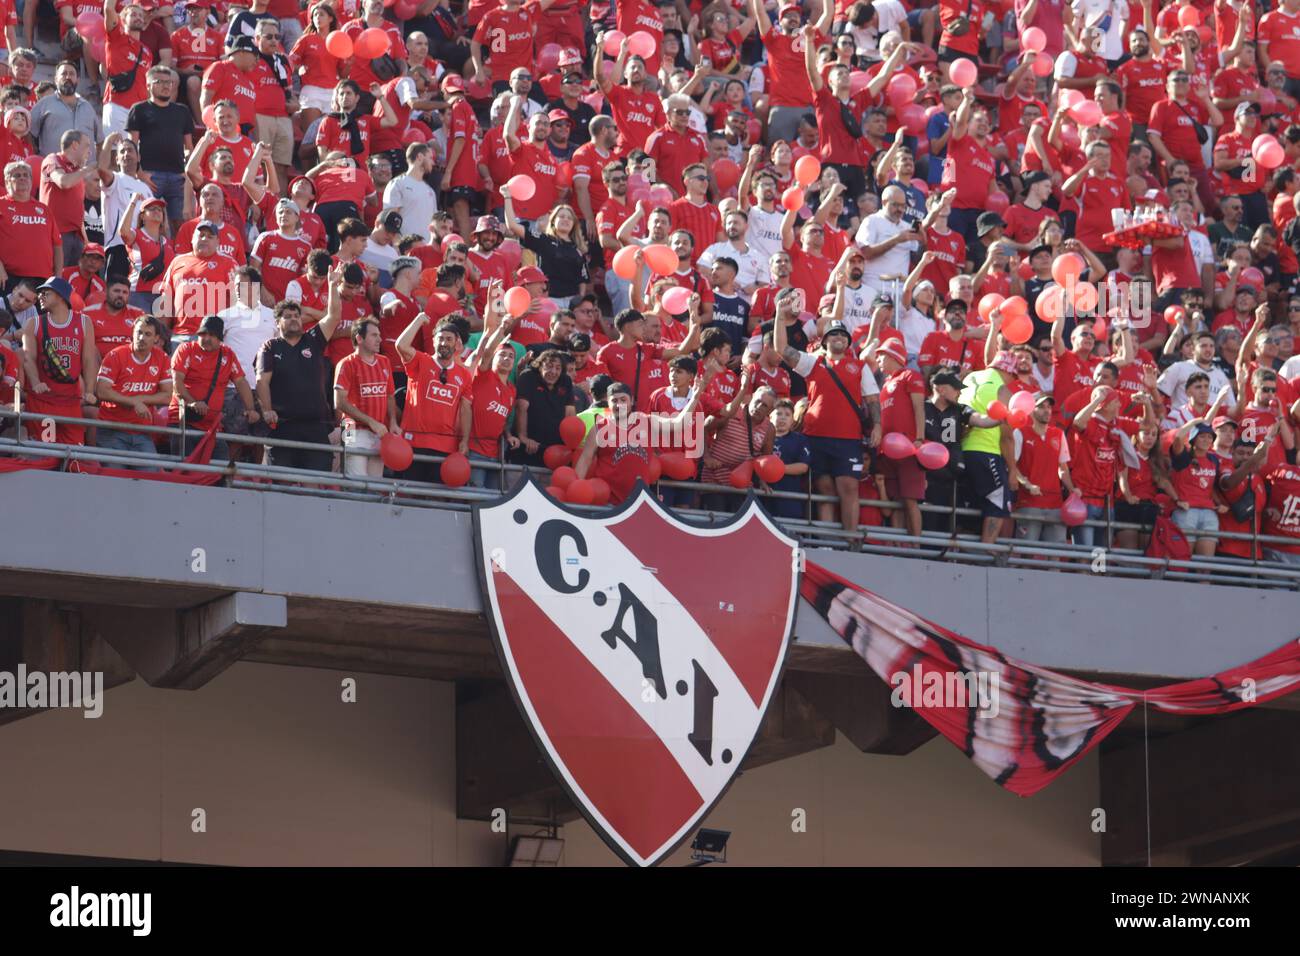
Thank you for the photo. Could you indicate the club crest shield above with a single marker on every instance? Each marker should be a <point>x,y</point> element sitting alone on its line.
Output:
<point>642,650</point>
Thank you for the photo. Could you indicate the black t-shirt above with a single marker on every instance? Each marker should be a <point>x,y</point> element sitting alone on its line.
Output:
<point>946,427</point>
<point>162,132</point>
<point>299,377</point>
<point>563,262</point>
<point>581,115</point>
<point>545,405</point>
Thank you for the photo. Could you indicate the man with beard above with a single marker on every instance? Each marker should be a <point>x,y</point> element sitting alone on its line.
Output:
<point>439,414</point>
<point>409,194</point>
<point>292,372</point>
<point>589,162</point>
<point>747,261</point>
<point>969,167</point>
<point>832,420</point>
<point>113,319</point>
<point>485,255</point>
<point>1142,77</point>
<point>531,157</point>
<point>126,57</point>
<point>758,194</point>
<point>610,217</point>
<point>637,110</point>
<point>52,116</point>
<point>164,130</point>
<point>119,180</point>
<point>134,379</point>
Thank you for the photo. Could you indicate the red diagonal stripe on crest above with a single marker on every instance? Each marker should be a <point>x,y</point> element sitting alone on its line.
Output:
<point>746,571</point>
<point>615,756</point>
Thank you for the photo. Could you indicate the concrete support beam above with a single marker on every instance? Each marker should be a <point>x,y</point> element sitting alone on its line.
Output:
<point>1224,791</point>
<point>859,707</point>
<point>49,637</point>
<point>186,649</point>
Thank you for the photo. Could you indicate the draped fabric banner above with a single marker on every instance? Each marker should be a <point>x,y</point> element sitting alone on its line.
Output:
<point>1021,724</point>
<point>201,455</point>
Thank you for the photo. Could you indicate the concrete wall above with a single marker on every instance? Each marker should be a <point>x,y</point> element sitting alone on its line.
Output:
<point>118,529</point>
<point>290,775</point>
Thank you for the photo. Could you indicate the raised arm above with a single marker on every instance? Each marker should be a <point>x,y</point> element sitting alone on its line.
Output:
<point>810,58</point>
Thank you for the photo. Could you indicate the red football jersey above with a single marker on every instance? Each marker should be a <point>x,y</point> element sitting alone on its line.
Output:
<point>368,386</point>
<point>130,376</point>
<point>282,259</point>
<point>434,394</point>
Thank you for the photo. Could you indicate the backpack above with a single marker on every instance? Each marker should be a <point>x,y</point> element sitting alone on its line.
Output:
<point>1167,539</point>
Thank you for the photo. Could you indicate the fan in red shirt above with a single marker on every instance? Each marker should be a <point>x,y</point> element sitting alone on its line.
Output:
<point>363,395</point>
<point>694,213</point>
<point>638,363</point>
<point>642,16</point>
<point>675,147</point>
<point>133,379</point>
<point>810,269</point>
<point>1237,173</point>
<point>1279,37</point>
<point>786,71</point>
<point>951,348</point>
<point>637,112</point>
<point>969,166</point>
<point>197,283</point>
<point>127,58</point>
<point>60,361</point>
<point>1097,439</point>
<point>30,243</point>
<point>902,410</point>
<point>945,249</point>
<point>213,208</point>
<point>318,68</point>
<point>439,413</point>
<point>112,318</point>
<point>235,79</point>
<point>227,136</point>
<point>84,277</point>
<point>1075,367</point>
<point>280,254</point>
<point>492,396</point>
<point>532,157</point>
<point>508,32</point>
<point>347,129</point>
<point>463,177</point>
<point>1172,129</point>
<point>362,72</point>
<point>1042,466</point>
<point>1097,191</point>
<point>397,306</point>
<point>1142,77</point>
<point>342,185</point>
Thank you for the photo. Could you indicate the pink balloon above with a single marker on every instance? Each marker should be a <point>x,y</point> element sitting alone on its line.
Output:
<point>98,47</point>
<point>641,44</point>
<point>897,445</point>
<point>858,81</point>
<point>660,194</point>
<point>998,201</point>
<point>91,25</point>
<point>676,300</point>
<point>1074,511</point>
<point>1086,113</point>
<point>614,40</point>
<point>1071,98</point>
<point>963,72</point>
<point>922,185</point>
<point>932,455</point>
<point>1042,66</point>
<point>1271,155</point>
<point>1034,39</point>
<point>1022,402</point>
<point>548,57</point>
<point>522,187</point>
<point>1070,136</point>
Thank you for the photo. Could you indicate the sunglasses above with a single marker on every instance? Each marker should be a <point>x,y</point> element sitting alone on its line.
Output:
<point>680,112</point>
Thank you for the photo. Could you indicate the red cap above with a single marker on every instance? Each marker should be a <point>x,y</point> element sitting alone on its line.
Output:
<point>558,116</point>
<point>530,274</point>
<point>93,249</point>
<point>894,349</point>
<point>453,82</point>
<point>1222,420</point>
<point>569,55</point>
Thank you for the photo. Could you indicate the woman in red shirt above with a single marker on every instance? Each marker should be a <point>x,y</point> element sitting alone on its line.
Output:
<point>1138,488</point>
<point>150,248</point>
<point>320,70</point>
<point>1195,480</point>
<point>342,186</point>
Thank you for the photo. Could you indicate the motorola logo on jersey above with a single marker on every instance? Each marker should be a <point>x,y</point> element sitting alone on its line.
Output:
<point>643,680</point>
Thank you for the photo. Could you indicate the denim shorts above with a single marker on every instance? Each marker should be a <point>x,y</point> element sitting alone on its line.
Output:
<point>1196,520</point>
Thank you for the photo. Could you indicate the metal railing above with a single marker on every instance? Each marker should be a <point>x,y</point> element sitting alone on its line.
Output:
<point>808,530</point>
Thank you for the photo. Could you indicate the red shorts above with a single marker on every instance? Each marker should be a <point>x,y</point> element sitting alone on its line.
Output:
<point>62,433</point>
<point>904,477</point>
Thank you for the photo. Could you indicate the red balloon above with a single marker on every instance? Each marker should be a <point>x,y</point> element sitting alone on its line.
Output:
<point>659,195</point>
<point>522,187</point>
<point>807,169</point>
<point>963,72</point>
<point>676,300</point>
<point>998,202</point>
<point>1022,402</point>
<point>1086,113</point>
<point>997,411</point>
<point>91,25</point>
<point>770,468</point>
<point>625,262</point>
<point>1042,66</point>
<point>455,470</point>
<point>579,492</point>
<point>555,492</point>
<point>396,452</point>
<point>1050,303</point>
<point>556,455</point>
<point>339,44</point>
<point>1012,306</point>
<point>563,476</point>
<point>989,303</point>
<point>517,300</point>
<point>405,9</point>
<point>900,90</point>
<point>1251,276</point>
<point>897,445</point>
<point>1025,270</point>
<point>1018,419</point>
<point>654,470</point>
<point>573,431</point>
<point>792,198</point>
<point>372,42</point>
<point>661,260</point>
<point>1034,39</point>
<point>932,455</point>
<point>641,44</point>
<point>726,174</point>
<point>210,116</point>
<point>742,475</point>
<point>677,466</point>
<point>1018,330</point>
<point>613,40</point>
<point>599,491</point>
<point>1189,17</point>
<point>912,118</point>
<point>1074,511</point>
<point>1068,266</point>
<point>1174,314</point>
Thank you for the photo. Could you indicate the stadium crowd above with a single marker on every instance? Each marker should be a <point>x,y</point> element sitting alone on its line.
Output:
<point>1026,256</point>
